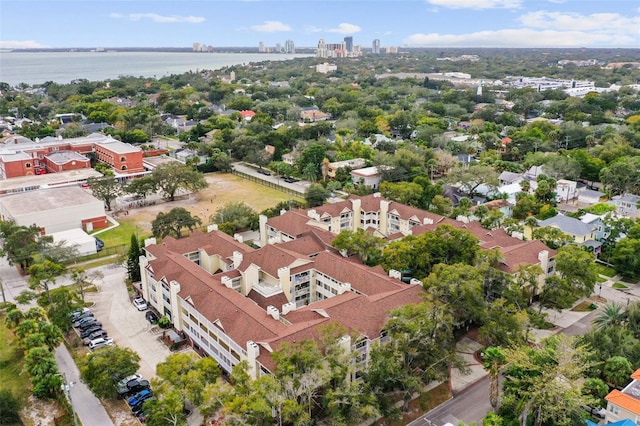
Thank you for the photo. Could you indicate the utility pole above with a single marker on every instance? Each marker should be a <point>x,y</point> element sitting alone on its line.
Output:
<point>66,388</point>
<point>4,300</point>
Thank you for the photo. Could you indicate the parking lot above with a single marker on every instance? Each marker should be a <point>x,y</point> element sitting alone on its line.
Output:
<point>124,323</point>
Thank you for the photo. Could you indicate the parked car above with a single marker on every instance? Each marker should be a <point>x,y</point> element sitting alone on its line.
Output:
<point>139,397</point>
<point>125,380</point>
<point>137,409</point>
<point>100,342</point>
<point>597,412</point>
<point>140,304</point>
<point>84,320</point>
<point>89,331</point>
<point>264,172</point>
<point>132,387</point>
<point>94,335</point>
<point>88,324</point>
<point>82,315</point>
<point>151,317</point>
<point>290,179</point>
<point>99,244</point>
<point>76,315</point>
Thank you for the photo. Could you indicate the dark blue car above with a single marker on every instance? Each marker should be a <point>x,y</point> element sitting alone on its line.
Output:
<point>139,397</point>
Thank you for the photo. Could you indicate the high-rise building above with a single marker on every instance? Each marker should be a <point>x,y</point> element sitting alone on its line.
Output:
<point>196,47</point>
<point>349,42</point>
<point>261,47</point>
<point>289,47</point>
<point>375,47</point>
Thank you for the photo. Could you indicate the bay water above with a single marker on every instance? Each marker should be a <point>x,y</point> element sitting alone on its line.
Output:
<point>35,68</point>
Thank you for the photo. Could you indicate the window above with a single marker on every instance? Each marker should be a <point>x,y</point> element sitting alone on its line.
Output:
<point>27,165</point>
<point>123,158</point>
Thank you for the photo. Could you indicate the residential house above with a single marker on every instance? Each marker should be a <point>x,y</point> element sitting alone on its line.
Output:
<point>368,176</point>
<point>507,178</point>
<point>583,233</point>
<point>355,163</point>
<point>624,404</point>
<point>588,197</point>
<point>313,115</point>
<point>565,190</point>
<point>627,205</point>
<point>504,206</point>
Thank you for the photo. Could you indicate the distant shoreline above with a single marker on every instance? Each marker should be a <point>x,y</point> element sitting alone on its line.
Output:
<point>249,49</point>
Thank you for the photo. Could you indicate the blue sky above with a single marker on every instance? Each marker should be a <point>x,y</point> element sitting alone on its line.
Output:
<point>413,23</point>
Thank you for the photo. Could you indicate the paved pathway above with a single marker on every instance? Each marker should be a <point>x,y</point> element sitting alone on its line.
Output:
<point>88,408</point>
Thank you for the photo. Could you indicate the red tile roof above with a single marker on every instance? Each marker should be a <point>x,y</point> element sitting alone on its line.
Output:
<point>624,400</point>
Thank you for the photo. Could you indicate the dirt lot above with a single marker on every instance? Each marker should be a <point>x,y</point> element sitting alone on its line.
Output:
<point>223,188</point>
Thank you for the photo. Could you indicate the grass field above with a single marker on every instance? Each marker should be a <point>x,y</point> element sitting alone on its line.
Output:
<point>11,363</point>
<point>605,270</point>
<point>223,188</point>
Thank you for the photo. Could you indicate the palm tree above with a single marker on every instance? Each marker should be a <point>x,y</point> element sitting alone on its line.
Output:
<point>613,314</point>
<point>494,358</point>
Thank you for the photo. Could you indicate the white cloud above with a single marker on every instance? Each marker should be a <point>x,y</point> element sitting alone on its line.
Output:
<point>557,1</point>
<point>345,28</point>
<point>600,22</point>
<point>477,4</point>
<point>24,44</point>
<point>520,38</point>
<point>312,29</point>
<point>159,18</point>
<point>271,27</point>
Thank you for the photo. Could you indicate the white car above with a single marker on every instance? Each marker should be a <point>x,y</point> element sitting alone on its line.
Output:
<point>100,342</point>
<point>140,304</point>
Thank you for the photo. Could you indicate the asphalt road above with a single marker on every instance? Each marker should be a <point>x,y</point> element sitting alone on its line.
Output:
<point>87,407</point>
<point>472,404</point>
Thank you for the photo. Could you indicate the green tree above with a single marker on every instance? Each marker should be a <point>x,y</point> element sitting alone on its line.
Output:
<point>166,410</point>
<point>612,315</point>
<point>363,244</point>
<point>316,195</point>
<point>442,205</point>
<point>403,192</point>
<point>470,178</point>
<point>622,176</point>
<point>460,286</point>
<point>493,359</point>
<point>173,222</point>
<point>43,275</point>
<point>544,383</point>
<point>21,243</point>
<point>105,188</point>
<point>617,371</point>
<point>9,407</point>
<point>577,267</point>
<point>552,236</point>
<point>237,216</point>
<point>170,177</point>
<point>420,348</point>
<point>625,257</point>
<point>81,278</point>
<point>188,375</point>
<point>596,388</point>
<point>133,259</point>
<point>100,370</point>
<point>142,186</point>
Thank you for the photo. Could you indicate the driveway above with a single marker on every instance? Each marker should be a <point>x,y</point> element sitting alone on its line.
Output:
<point>128,326</point>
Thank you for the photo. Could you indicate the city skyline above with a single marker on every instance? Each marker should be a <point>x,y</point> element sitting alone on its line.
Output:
<point>409,23</point>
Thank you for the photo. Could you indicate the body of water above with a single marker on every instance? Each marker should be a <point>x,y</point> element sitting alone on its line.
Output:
<point>62,67</point>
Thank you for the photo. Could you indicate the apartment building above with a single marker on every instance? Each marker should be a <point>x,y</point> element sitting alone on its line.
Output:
<point>393,221</point>
<point>237,304</point>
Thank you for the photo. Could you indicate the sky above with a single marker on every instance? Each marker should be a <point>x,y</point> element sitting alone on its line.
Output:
<point>403,23</point>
